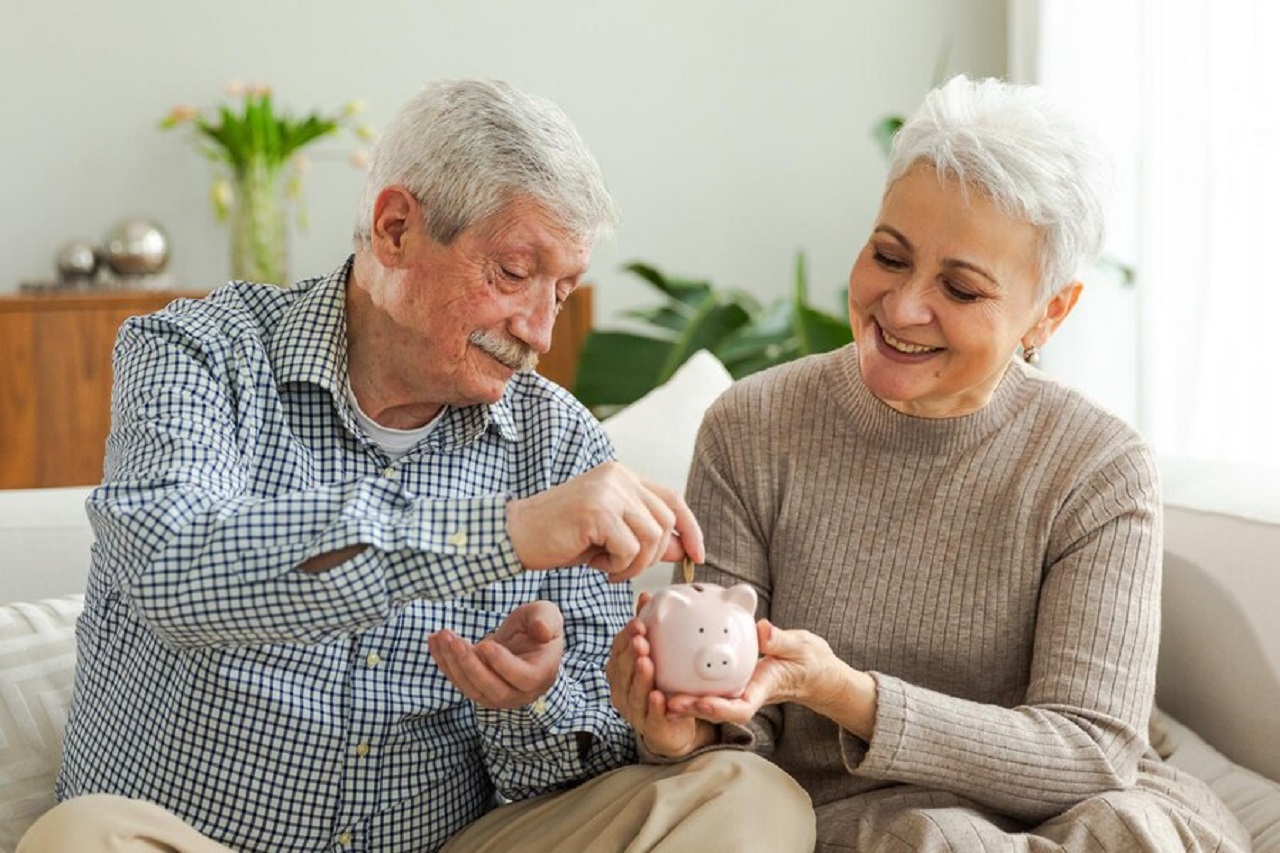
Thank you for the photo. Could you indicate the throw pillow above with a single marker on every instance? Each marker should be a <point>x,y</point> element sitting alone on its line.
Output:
<point>37,668</point>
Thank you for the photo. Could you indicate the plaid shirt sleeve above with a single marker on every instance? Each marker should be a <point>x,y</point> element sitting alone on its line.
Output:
<point>190,531</point>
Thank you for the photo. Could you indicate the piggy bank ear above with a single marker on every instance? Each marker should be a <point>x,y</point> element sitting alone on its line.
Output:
<point>666,601</point>
<point>743,595</point>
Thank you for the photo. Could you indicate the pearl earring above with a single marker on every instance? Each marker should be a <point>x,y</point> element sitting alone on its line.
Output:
<point>1031,354</point>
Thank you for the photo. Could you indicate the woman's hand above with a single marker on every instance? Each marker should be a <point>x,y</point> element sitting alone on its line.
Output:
<point>630,673</point>
<point>797,666</point>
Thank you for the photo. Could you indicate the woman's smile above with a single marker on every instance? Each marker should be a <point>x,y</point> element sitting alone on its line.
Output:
<point>902,350</point>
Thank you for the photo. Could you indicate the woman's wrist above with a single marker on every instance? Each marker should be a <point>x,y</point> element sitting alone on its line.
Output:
<point>848,697</point>
<point>705,734</point>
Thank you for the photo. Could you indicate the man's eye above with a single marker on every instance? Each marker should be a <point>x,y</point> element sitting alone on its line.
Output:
<point>887,262</point>
<point>513,275</point>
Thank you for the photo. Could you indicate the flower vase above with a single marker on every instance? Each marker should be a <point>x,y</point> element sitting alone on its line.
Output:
<point>259,233</point>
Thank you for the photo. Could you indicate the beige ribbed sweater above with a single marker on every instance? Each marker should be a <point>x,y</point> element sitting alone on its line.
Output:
<point>998,573</point>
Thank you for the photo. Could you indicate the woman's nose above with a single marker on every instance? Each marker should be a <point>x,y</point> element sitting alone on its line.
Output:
<point>907,304</point>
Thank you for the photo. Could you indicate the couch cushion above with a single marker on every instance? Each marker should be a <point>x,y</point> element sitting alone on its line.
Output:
<point>37,668</point>
<point>1253,798</point>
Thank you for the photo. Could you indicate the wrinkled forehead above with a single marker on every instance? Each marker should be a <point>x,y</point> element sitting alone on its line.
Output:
<point>526,227</point>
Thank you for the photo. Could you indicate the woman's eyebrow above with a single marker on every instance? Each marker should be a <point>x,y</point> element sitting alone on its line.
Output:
<point>948,262</point>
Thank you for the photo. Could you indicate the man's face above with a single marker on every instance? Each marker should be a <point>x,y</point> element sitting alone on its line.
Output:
<point>475,312</point>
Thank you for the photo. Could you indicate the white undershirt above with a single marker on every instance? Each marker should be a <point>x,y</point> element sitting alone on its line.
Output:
<point>396,442</point>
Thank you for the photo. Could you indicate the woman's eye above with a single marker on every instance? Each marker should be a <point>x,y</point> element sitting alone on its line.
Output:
<point>959,294</point>
<point>887,261</point>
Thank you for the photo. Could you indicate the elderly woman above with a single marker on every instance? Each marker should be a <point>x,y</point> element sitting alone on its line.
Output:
<point>958,559</point>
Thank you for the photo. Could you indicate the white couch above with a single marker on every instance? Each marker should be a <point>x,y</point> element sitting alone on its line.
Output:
<point>1219,678</point>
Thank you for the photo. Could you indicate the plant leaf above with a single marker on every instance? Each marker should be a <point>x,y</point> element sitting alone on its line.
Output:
<point>818,331</point>
<point>617,368</point>
<point>714,319</point>
<point>683,290</point>
<point>667,316</point>
<point>885,130</point>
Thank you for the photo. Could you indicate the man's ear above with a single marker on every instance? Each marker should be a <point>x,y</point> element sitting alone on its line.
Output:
<point>393,213</point>
<point>1059,306</point>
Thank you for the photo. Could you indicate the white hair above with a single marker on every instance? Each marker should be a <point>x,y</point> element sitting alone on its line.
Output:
<point>1036,163</point>
<point>467,148</point>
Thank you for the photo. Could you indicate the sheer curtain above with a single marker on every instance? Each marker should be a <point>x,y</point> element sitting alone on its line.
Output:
<point>1186,94</point>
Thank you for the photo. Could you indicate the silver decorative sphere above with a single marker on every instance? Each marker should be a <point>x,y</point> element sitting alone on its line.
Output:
<point>76,260</point>
<point>136,247</point>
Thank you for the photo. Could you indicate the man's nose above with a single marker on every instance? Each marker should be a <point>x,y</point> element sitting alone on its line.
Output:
<point>537,317</point>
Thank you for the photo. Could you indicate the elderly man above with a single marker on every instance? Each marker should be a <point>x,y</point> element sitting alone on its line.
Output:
<point>358,568</point>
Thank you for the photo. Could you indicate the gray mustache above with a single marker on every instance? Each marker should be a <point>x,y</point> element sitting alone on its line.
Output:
<point>519,357</point>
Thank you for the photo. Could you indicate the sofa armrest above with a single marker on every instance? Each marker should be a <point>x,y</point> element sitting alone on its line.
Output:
<point>1219,669</point>
<point>44,543</point>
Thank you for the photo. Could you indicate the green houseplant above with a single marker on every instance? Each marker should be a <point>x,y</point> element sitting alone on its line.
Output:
<point>618,367</point>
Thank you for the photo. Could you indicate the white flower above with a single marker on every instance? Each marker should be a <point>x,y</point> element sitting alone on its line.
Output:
<point>222,196</point>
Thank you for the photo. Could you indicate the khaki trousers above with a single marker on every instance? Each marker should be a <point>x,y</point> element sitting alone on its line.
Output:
<point>719,801</point>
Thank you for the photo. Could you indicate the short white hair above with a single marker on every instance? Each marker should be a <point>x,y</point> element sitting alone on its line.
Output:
<point>1036,163</point>
<point>467,148</point>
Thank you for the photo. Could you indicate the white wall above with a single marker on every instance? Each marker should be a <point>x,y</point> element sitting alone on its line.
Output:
<point>732,133</point>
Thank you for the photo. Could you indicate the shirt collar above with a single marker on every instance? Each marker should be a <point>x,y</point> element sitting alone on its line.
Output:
<point>310,342</point>
<point>310,345</point>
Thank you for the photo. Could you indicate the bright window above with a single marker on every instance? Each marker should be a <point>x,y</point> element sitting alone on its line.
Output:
<point>1186,94</point>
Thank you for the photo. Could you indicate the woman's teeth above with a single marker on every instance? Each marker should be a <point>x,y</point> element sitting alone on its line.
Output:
<point>903,346</point>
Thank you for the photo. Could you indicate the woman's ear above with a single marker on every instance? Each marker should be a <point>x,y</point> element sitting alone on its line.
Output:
<point>393,212</point>
<point>1057,309</point>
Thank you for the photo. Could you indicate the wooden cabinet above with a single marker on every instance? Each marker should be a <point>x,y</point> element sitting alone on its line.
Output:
<point>55,382</point>
<point>55,377</point>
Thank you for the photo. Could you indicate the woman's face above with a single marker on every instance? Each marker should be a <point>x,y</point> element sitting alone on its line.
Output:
<point>942,294</point>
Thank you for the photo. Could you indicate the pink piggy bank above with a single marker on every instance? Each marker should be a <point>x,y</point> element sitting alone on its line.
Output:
<point>702,638</point>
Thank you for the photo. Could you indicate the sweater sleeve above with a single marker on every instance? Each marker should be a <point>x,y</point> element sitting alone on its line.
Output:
<point>1081,727</point>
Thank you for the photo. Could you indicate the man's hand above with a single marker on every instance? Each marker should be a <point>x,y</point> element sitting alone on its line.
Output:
<point>609,518</point>
<point>511,667</point>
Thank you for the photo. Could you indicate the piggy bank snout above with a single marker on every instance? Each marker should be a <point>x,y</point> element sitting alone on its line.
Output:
<point>716,662</point>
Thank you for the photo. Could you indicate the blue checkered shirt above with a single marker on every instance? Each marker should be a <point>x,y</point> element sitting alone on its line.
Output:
<point>278,710</point>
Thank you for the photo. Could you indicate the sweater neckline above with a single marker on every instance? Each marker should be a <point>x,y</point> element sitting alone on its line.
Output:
<point>885,426</point>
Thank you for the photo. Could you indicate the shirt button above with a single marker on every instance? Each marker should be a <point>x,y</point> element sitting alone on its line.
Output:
<point>372,659</point>
<point>362,748</point>
<point>458,539</point>
<point>390,472</point>
<point>540,705</point>
<point>345,839</point>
